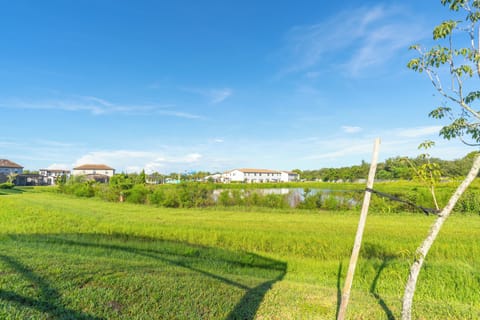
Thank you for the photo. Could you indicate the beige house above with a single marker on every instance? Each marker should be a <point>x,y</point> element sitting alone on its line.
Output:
<point>93,169</point>
<point>9,167</point>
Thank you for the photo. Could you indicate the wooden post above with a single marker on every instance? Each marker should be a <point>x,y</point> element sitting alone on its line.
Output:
<point>358,238</point>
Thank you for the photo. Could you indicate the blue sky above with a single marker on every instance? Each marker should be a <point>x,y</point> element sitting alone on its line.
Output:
<point>212,85</point>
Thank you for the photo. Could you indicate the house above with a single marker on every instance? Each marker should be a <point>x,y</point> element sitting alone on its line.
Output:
<point>97,172</point>
<point>9,167</point>
<point>52,174</point>
<point>289,176</point>
<point>258,176</point>
<point>251,175</point>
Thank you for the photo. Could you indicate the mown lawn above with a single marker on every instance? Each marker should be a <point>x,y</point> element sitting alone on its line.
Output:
<point>70,258</point>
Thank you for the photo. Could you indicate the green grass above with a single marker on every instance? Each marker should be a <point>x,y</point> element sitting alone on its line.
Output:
<point>68,258</point>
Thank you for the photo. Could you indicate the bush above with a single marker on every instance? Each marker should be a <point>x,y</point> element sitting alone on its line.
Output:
<point>224,199</point>
<point>469,202</point>
<point>7,185</point>
<point>171,199</point>
<point>157,197</point>
<point>276,201</point>
<point>83,190</point>
<point>138,194</point>
<point>194,195</point>
<point>106,192</point>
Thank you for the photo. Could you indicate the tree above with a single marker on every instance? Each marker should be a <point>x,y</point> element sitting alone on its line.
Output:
<point>428,172</point>
<point>458,53</point>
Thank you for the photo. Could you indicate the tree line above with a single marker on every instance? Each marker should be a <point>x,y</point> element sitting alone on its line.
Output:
<point>396,168</point>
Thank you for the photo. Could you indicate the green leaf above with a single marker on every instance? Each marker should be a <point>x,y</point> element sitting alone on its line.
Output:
<point>426,144</point>
<point>472,96</point>
<point>444,29</point>
<point>439,113</point>
<point>413,64</point>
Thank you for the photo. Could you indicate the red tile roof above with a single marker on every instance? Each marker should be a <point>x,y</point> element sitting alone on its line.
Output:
<point>93,167</point>
<point>4,163</point>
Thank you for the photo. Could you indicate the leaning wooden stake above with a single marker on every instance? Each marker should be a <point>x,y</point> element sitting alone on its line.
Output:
<point>358,238</point>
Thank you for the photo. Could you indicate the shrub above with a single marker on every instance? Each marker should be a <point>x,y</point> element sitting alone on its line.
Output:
<point>83,190</point>
<point>224,199</point>
<point>171,199</point>
<point>6,185</point>
<point>138,194</point>
<point>194,195</point>
<point>106,192</point>
<point>469,202</point>
<point>277,201</point>
<point>157,197</point>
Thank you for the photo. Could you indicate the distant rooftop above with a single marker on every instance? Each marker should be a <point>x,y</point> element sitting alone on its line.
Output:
<point>55,170</point>
<point>93,167</point>
<point>4,163</point>
<point>250,170</point>
<point>257,170</point>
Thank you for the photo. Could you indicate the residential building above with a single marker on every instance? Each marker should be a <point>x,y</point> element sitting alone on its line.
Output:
<point>9,167</point>
<point>93,169</point>
<point>258,176</point>
<point>289,176</point>
<point>52,174</point>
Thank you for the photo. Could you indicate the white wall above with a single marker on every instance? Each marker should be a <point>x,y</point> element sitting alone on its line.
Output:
<point>85,172</point>
<point>287,176</point>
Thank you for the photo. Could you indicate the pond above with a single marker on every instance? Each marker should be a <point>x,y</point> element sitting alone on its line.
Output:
<point>295,196</point>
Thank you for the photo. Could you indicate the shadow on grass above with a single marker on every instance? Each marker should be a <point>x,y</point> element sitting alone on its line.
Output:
<point>49,300</point>
<point>373,288</point>
<point>339,288</point>
<point>370,251</point>
<point>6,192</point>
<point>374,251</point>
<point>213,264</point>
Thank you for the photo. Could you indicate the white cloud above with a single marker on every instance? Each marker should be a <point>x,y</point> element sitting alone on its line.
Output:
<point>351,129</point>
<point>218,96</point>
<point>418,131</point>
<point>135,161</point>
<point>59,166</point>
<point>336,149</point>
<point>355,40</point>
<point>97,106</point>
<point>193,157</point>
<point>213,95</point>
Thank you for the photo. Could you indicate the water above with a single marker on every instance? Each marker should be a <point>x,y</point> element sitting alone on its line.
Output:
<point>295,196</point>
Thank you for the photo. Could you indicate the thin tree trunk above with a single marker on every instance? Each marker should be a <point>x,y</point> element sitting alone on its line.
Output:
<point>422,251</point>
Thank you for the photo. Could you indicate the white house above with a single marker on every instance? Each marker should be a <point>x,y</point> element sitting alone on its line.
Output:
<point>93,169</point>
<point>52,174</point>
<point>258,176</point>
<point>9,167</point>
<point>288,176</point>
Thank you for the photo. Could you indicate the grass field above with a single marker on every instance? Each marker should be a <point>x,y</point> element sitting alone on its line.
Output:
<point>68,258</point>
